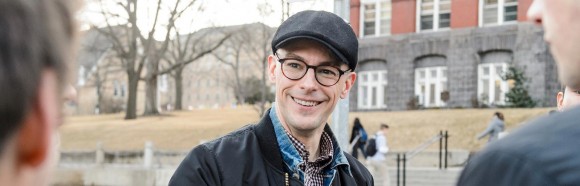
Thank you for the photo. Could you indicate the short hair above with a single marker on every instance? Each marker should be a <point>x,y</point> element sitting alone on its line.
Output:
<point>499,115</point>
<point>563,89</point>
<point>34,35</point>
<point>384,126</point>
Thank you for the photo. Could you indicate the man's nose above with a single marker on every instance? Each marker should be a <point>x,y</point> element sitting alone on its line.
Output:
<point>309,80</point>
<point>536,11</point>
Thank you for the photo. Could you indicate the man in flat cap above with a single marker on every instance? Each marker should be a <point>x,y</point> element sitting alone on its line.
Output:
<point>312,65</point>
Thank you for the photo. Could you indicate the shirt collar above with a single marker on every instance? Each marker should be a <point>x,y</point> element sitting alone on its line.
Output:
<point>291,156</point>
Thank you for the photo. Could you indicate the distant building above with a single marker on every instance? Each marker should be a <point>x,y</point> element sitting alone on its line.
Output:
<point>101,81</point>
<point>415,52</point>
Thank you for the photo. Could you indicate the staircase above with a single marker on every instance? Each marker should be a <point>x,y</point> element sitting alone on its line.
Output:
<point>424,176</point>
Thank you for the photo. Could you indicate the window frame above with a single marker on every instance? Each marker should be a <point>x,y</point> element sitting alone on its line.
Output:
<point>368,85</point>
<point>436,16</point>
<point>377,19</point>
<point>501,4</point>
<point>504,86</point>
<point>427,80</point>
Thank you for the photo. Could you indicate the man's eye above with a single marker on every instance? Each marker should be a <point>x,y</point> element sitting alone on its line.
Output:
<point>327,72</point>
<point>294,65</point>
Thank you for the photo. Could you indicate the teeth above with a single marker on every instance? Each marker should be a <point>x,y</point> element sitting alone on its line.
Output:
<point>306,103</point>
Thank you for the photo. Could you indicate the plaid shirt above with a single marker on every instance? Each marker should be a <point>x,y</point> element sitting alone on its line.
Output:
<point>313,170</point>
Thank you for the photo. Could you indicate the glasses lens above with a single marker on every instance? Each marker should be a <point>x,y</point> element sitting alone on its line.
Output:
<point>327,75</point>
<point>293,69</point>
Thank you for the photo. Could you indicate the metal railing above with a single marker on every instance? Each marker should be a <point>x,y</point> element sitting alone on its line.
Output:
<point>405,157</point>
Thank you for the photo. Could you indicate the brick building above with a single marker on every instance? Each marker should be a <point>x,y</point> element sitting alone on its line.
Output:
<point>414,52</point>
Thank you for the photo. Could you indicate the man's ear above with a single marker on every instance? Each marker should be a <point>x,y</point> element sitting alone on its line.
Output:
<point>560,101</point>
<point>35,135</point>
<point>350,79</point>
<point>32,144</point>
<point>272,68</point>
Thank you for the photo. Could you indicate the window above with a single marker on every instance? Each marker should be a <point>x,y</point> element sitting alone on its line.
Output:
<point>372,91</point>
<point>433,14</point>
<point>430,82</point>
<point>81,80</point>
<point>123,89</point>
<point>163,84</point>
<point>115,88</point>
<point>491,88</point>
<point>496,12</point>
<point>375,17</point>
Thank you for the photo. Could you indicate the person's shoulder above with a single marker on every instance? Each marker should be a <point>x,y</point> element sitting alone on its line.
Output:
<point>232,137</point>
<point>358,170</point>
<point>542,151</point>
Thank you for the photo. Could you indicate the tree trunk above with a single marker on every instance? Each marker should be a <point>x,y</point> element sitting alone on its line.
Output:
<point>178,89</point>
<point>151,89</point>
<point>133,82</point>
<point>263,96</point>
<point>241,93</point>
<point>151,97</point>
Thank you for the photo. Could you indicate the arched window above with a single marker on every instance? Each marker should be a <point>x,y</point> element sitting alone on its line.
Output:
<point>430,80</point>
<point>491,88</point>
<point>372,85</point>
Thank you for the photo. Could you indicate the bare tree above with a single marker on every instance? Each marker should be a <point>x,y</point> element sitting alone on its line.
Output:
<point>135,49</point>
<point>186,49</point>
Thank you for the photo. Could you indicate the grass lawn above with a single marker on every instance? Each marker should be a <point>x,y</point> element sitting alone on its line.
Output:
<point>183,130</point>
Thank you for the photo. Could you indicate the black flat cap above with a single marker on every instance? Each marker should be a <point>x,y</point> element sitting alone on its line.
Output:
<point>324,27</point>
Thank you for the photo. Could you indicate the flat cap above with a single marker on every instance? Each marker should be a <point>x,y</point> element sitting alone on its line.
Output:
<point>324,27</point>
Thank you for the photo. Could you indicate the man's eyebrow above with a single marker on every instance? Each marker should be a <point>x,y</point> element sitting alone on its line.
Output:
<point>327,63</point>
<point>294,56</point>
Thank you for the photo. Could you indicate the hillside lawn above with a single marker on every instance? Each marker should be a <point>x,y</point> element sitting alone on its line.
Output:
<point>185,129</point>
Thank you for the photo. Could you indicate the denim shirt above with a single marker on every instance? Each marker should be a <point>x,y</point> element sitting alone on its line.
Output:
<point>292,158</point>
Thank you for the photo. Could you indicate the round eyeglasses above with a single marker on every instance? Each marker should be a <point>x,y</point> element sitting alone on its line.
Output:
<point>295,69</point>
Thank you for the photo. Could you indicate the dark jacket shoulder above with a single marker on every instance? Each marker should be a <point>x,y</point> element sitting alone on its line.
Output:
<point>542,152</point>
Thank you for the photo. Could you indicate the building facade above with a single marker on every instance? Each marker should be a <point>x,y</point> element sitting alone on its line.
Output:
<point>447,54</point>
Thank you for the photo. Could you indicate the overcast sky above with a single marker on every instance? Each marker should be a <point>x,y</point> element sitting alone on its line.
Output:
<point>216,13</point>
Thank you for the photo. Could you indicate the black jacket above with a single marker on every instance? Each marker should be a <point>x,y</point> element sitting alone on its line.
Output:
<point>251,156</point>
<point>542,152</point>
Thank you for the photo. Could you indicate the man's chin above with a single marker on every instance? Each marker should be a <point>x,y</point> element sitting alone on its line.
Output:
<point>571,80</point>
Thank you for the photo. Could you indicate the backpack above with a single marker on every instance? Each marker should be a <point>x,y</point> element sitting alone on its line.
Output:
<point>371,147</point>
<point>363,135</point>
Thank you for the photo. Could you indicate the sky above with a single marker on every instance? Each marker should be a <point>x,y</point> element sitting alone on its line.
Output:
<point>215,12</point>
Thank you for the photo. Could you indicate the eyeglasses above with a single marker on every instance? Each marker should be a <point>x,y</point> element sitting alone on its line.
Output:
<point>295,69</point>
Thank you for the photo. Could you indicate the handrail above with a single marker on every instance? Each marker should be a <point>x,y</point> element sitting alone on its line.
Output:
<point>410,154</point>
<point>422,147</point>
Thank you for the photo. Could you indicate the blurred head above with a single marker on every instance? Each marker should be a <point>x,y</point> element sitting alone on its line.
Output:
<point>499,115</point>
<point>384,127</point>
<point>568,98</point>
<point>561,30</point>
<point>36,39</point>
<point>357,123</point>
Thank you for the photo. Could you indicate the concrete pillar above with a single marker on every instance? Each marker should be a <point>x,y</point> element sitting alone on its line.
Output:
<point>100,154</point>
<point>148,154</point>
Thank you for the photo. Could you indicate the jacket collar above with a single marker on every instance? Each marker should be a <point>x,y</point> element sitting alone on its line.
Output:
<point>270,147</point>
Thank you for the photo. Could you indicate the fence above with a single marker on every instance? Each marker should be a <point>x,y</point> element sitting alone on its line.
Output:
<point>401,170</point>
<point>149,157</point>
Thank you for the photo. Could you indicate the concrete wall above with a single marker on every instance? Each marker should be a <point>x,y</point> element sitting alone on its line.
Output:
<point>463,49</point>
<point>112,176</point>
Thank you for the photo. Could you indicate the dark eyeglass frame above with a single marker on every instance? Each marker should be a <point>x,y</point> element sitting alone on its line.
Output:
<point>340,72</point>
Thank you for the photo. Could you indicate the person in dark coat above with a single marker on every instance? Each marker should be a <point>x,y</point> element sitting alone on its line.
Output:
<point>312,66</point>
<point>358,138</point>
<point>545,151</point>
